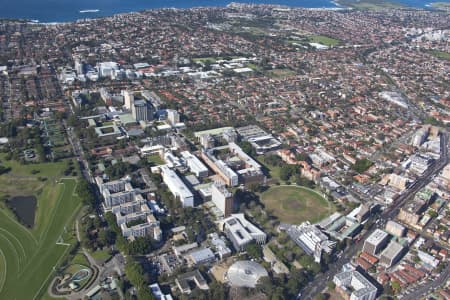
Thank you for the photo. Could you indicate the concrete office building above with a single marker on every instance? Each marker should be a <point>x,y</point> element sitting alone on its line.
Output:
<point>108,69</point>
<point>353,285</point>
<point>395,228</point>
<point>201,257</point>
<point>311,239</point>
<point>195,165</point>
<point>220,167</point>
<point>128,207</point>
<point>149,227</point>
<point>222,198</point>
<point>207,141</point>
<point>260,140</point>
<point>177,187</point>
<point>142,110</point>
<point>241,232</point>
<point>116,192</point>
<point>392,254</point>
<point>184,281</point>
<point>122,200</point>
<point>173,116</point>
<point>376,241</point>
<point>128,99</point>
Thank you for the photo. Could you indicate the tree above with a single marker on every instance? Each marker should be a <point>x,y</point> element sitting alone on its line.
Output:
<point>320,297</point>
<point>135,273</point>
<point>86,192</point>
<point>4,170</point>
<point>395,286</point>
<point>265,285</point>
<point>254,250</point>
<point>296,282</point>
<point>331,285</point>
<point>285,173</point>
<point>247,148</point>
<point>144,293</point>
<point>361,165</point>
<point>217,291</point>
<point>107,237</point>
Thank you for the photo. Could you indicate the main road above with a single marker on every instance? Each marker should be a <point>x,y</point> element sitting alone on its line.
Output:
<point>320,282</point>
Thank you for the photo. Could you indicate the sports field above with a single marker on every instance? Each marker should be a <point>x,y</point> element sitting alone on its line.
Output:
<point>296,204</point>
<point>27,256</point>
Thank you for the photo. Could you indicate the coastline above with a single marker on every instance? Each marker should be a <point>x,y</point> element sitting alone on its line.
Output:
<point>99,12</point>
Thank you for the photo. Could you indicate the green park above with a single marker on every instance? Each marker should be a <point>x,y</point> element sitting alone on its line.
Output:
<point>31,250</point>
<point>296,204</point>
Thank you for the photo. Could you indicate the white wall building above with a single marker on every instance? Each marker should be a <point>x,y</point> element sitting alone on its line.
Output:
<point>241,232</point>
<point>195,165</point>
<point>177,186</point>
<point>173,116</point>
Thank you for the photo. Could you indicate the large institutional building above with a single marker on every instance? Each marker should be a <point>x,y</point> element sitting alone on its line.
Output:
<point>133,215</point>
<point>376,241</point>
<point>241,232</point>
<point>177,187</point>
<point>222,198</point>
<point>352,285</point>
<point>311,239</point>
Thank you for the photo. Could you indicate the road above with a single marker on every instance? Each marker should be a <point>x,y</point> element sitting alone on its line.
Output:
<point>320,282</point>
<point>79,153</point>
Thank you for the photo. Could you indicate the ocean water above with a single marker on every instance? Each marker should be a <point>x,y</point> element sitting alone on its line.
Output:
<point>69,10</point>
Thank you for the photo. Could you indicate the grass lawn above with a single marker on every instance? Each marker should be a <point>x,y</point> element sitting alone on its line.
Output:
<point>280,73</point>
<point>155,159</point>
<point>295,204</point>
<point>80,259</point>
<point>441,54</point>
<point>440,5</point>
<point>29,255</point>
<point>101,255</point>
<point>324,40</point>
<point>371,4</point>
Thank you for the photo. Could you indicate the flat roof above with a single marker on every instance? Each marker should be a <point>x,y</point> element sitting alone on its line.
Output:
<point>392,250</point>
<point>377,237</point>
<point>215,131</point>
<point>193,162</point>
<point>175,183</point>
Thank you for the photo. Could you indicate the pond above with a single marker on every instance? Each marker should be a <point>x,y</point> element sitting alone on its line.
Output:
<point>25,208</point>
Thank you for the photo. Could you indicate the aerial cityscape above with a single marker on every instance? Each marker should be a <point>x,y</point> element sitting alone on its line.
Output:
<point>291,150</point>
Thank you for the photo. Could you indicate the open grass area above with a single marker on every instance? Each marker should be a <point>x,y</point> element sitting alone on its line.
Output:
<point>370,4</point>
<point>27,256</point>
<point>441,5</point>
<point>155,159</point>
<point>280,73</point>
<point>101,255</point>
<point>80,259</point>
<point>441,54</point>
<point>210,60</point>
<point>324,40</point>
<point>296,204</point>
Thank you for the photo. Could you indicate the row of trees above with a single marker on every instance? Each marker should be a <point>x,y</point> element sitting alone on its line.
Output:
<point>86,191</point>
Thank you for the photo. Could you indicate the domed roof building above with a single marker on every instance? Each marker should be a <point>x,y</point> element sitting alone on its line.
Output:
<point>245,273</point>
